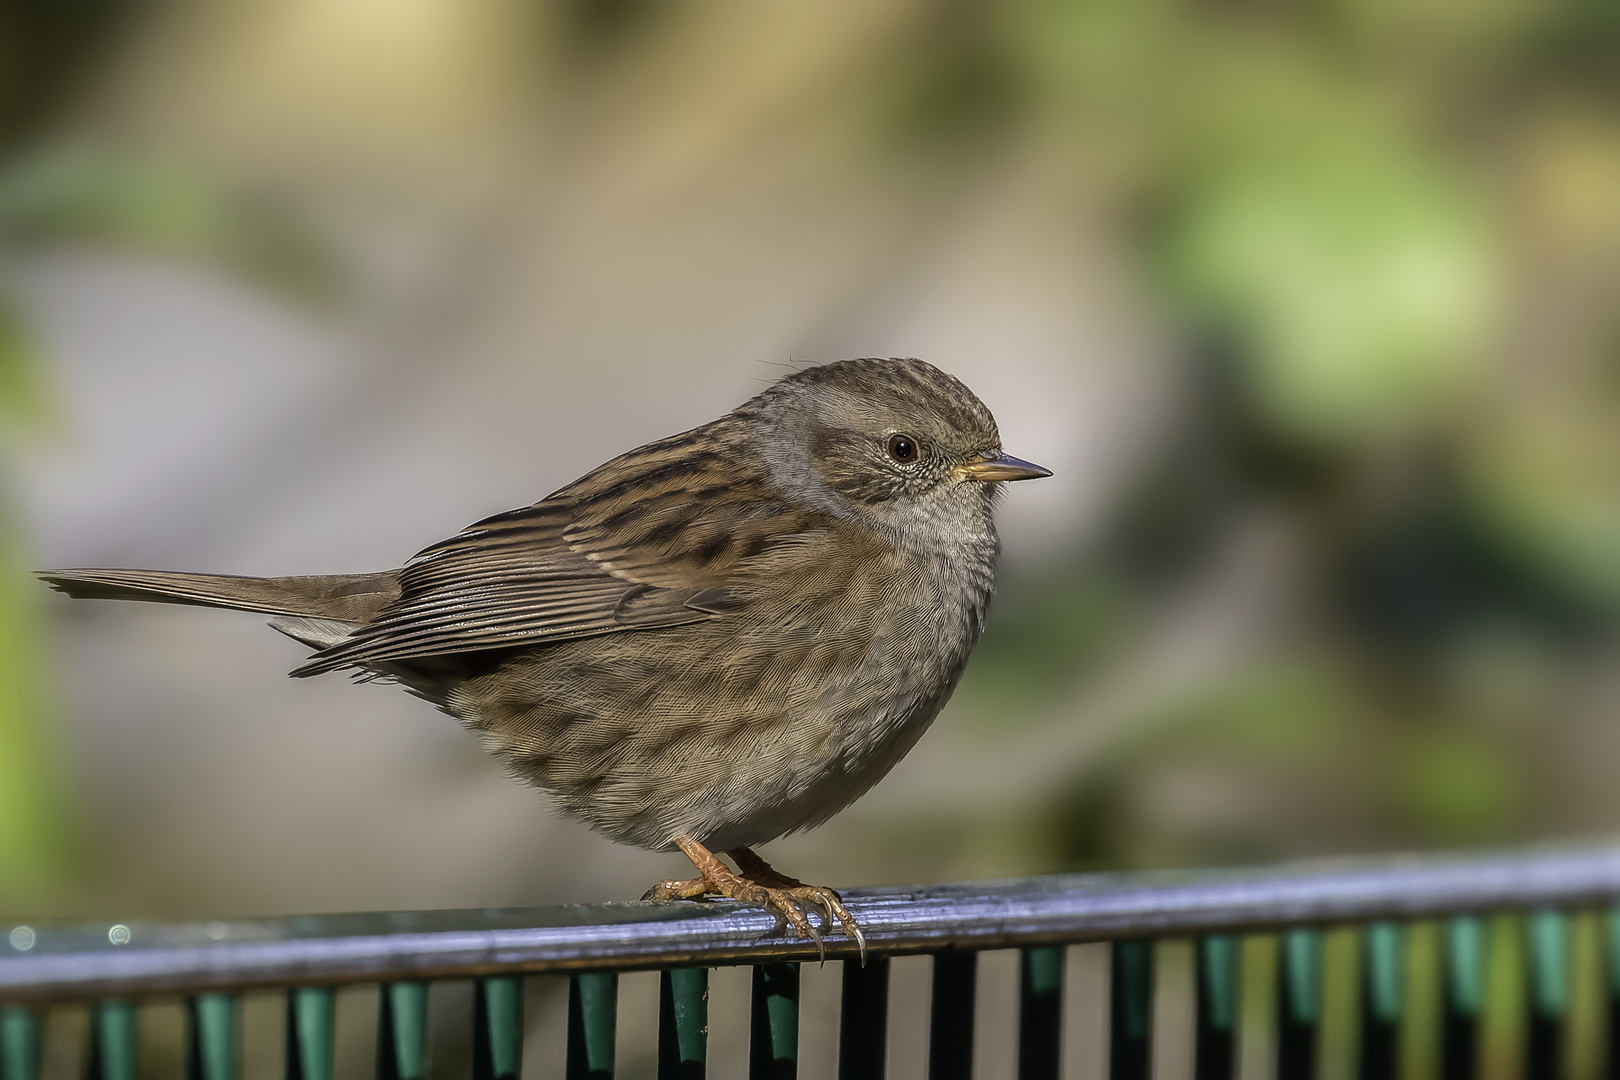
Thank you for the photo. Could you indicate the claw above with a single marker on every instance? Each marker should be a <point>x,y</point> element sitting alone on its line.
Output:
<point>822,902</point>
<point>854,931</point>
<point>847,921</point>
<point>814,935</point>
<point>789,899</point>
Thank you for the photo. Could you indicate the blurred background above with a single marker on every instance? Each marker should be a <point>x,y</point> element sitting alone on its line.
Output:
<point>1313,308</point>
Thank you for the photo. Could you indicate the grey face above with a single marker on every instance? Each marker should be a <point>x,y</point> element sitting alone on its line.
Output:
<point>889,438</point>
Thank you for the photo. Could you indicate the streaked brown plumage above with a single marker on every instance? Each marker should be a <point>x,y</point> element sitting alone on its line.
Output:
<point>710,641</point>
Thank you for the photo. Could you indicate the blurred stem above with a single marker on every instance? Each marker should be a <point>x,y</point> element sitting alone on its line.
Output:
<point>32,837</point>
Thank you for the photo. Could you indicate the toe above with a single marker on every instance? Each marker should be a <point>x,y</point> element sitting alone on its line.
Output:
<point>790,909</point>
<point>675,889</point>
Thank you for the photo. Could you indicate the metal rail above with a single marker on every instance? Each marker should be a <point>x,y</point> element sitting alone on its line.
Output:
<point>44,961</point>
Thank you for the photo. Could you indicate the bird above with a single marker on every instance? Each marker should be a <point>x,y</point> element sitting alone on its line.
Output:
<point>708,642</point>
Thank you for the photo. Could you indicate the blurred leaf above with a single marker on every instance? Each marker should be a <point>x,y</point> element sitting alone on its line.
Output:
<point>1457,789</point>
<point>87,196</point>
<point>1356,277</point>
<point>23,398</point>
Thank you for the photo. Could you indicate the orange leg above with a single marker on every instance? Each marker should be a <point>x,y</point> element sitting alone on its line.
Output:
<point>783,896</point>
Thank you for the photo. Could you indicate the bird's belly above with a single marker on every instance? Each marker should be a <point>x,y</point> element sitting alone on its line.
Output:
<point>732,734</point>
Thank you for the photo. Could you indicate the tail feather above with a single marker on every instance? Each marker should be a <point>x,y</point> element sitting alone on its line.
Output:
<point>353,598</point>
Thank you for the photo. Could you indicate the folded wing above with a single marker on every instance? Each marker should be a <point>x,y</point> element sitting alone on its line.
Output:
<point>651,540</point>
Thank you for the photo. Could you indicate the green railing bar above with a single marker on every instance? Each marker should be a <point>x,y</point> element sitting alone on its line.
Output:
<point>402,1027</point>
<point>1130,1024</point>
<point>773,1042</point>
<point>1383,988</point>
<point>1549,963</point>
<point>115,1050</point>
<point>683,1023</point>
<point>950,1019</point>
<point>1547,969</point>
<point>1302,967</point>
<point>19,1043</point>
<point>1040,1013</point>
<point>1386,971</point>
<point>593,1016</point>
<point>1614,953</point>
<point>214,1037</point>
<point>498,1026</point>
<point>1465,965</point>
<point>1214,1055</point>
<point>1299,1002</point>
<point>1612,993</point>
<point>863,1020</point>
<point>1464,982</point>
<point>310,1024</point>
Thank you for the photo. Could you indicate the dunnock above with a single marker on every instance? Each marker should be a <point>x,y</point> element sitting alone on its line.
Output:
<point>710,641</point>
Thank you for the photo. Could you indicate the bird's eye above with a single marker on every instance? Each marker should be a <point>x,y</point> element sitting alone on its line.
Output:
<point>903,448</point>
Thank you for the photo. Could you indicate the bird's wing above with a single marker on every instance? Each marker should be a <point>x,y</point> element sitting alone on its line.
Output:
<point>653,547</point>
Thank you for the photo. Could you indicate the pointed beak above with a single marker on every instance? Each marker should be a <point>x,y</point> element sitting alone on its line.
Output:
<point>999,466</point>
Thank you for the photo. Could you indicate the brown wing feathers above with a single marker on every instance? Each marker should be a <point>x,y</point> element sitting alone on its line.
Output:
<point>597,557</point>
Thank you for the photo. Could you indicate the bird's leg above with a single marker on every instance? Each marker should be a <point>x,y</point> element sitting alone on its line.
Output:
<point>782,896</point>
<point>753,868</point>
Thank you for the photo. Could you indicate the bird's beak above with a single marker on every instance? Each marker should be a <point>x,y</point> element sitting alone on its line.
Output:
<point>999,466</point>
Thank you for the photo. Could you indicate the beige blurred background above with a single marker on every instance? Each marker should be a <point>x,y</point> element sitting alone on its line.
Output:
<point>1310,307</point>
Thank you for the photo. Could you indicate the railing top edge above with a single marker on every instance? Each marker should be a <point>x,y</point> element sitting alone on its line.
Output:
<point>44,959</point>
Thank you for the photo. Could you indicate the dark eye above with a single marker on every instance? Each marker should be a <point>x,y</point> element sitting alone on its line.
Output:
<point>903,448</point>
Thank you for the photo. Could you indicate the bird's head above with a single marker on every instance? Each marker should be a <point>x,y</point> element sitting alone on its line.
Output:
<point>897,444</point>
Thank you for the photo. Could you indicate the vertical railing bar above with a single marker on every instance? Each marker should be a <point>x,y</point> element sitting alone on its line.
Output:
<point>310,1021</point>
<point>402,1030</point>
<point>951,1015</point>
<point>773,1025</point>
<point>683,1023</point>
<point>20,1056</point>
<point>1040,1013</point>
<point>213,1037</point>
<point>1548,993</point>
<point>498,1028</point>
<point>1464,993</point>
<point>1216,975</point>
<point>1299,1002</point>
<point>593,1011</point>
<point>114,1041</point>
<point>863,1021</point>
<point>1383,987</point>
<point>1611,1068</point>
<point>1130,1027</point>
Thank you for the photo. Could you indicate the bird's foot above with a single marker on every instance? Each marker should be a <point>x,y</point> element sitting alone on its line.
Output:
<point>755,869</point>
<point>789,899</point>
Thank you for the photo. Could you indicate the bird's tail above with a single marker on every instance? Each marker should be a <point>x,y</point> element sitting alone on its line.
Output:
<point>351,598</point>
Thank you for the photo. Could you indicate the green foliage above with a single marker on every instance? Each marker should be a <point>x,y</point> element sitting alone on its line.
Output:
<point>1356,275</point>
<point>93,196</point>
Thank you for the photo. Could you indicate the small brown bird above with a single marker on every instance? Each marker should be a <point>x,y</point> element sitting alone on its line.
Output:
<point>706,643</point>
